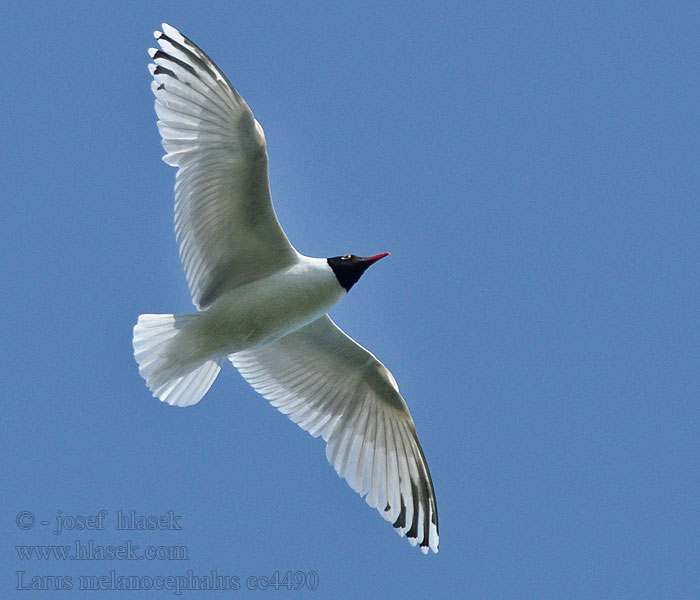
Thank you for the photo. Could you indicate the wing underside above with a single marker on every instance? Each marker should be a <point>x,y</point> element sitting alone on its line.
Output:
<point>332,387</point>
<point>225,223</point>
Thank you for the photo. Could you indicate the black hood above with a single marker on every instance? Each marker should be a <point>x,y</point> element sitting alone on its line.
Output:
<point>349,268</point>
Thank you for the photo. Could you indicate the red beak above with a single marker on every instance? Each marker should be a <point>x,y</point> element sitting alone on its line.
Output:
<point>373,259</point>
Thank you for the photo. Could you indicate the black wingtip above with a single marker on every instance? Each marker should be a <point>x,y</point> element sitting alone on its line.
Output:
<point>177,61</point>
<point>160,70</point>
<point>400,522</point>
<point>413,532</point>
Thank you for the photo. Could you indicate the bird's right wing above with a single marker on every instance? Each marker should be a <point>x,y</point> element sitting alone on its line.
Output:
<point>331,386</point>
<point>225,224</point>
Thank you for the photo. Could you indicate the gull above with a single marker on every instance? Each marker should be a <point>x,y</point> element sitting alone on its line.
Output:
<point>263,305</point>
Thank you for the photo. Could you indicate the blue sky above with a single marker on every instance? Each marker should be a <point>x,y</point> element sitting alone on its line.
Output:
<point>533,168</point>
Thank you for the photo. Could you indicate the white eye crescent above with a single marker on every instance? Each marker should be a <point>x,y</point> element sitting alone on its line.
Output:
<point>346,257</point>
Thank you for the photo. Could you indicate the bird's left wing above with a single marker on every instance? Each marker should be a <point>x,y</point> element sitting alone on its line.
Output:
<point>225,224</point>
<point>331,386</point>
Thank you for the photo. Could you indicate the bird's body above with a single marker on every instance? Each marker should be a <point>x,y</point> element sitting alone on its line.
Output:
<point>255,313</point>
<point>265,310</point>
<point>264,305</point>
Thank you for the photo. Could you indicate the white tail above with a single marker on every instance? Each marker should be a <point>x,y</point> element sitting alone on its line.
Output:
<point>159,350</point>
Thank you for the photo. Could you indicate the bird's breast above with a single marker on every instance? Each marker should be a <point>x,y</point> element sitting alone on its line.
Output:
<point>268,309</point>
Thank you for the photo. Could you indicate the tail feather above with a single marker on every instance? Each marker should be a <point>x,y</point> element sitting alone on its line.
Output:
<point>159,352</point>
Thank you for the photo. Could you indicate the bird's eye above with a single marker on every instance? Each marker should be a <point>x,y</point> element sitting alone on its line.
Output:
<point>346,257</point>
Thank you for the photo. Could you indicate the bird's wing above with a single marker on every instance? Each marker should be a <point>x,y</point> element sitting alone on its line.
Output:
<point>331,386</point>
<point>225,224</point>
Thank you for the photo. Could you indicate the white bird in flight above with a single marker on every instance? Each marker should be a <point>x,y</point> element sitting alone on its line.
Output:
<point>264,305</point>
